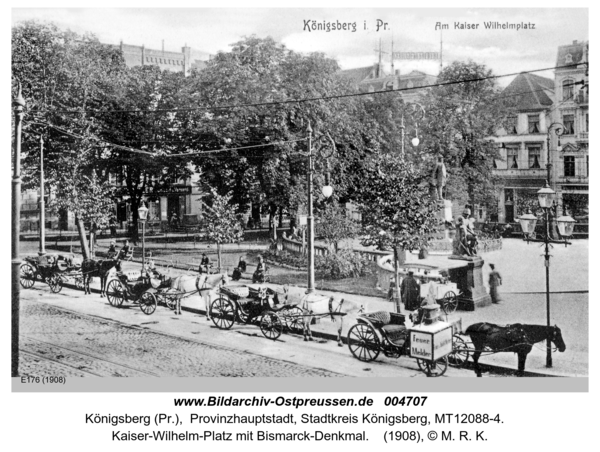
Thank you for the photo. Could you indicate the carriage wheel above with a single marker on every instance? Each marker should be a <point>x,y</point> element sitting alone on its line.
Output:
<point>114,293</point>
<point>222,313</point>
<point>433,369</point>
<point>363,342</point>
<point>449,302</point>
<point>79,282</point>
<point>271,326</point>
<point>171,301</point>
<point>26,276</point>
<point>460,352</point>
<point>55,283</point>
<point>293,319</point>
<point>148,303</point>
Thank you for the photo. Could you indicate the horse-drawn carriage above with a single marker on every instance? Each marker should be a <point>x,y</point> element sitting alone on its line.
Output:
<point>53,269</point>
<point>145,290</point>
<point>254,303</point>
<point>444,293</point>
<point>432,342</point>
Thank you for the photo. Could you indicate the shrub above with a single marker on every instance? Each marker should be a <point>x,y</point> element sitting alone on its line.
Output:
<point>344,264</point>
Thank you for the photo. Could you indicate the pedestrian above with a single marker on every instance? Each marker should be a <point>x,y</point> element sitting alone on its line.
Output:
<point>112,250</point>
<point>411,292</point>
<point>204,264</point>
<point>259,273</point>
<point>242,264</point>
<point>495,281</point>
<point>124,250</point>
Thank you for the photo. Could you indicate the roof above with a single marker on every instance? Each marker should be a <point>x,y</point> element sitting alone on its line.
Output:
<point>576,50</point>
<point>359,74</point>
<point>531,91</point>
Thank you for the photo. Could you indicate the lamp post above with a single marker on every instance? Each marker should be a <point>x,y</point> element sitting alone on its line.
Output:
<point>42,250</point>
<point>143,215</point>
<point>327,192</point>
<point>18,104</point>
<point>421,113</point>
<point>566,225</point>
<point>559,131</point>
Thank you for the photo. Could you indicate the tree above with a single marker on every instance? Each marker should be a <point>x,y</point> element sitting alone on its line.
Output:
<point>334,225</point>
<point>272,175</point>
<point>395,205</point>
<point>223,225</point>
<point>62,75</point>
<point>139,120</point>
<point>90,201</point>
<point>460,119</point>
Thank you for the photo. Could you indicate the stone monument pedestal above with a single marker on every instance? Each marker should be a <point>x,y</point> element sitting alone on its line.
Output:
<point>469,280</point>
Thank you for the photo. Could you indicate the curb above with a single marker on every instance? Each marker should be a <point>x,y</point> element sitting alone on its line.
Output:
<point>485,368</point>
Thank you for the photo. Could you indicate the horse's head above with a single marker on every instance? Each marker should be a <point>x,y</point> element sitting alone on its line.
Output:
<point>558,339</point>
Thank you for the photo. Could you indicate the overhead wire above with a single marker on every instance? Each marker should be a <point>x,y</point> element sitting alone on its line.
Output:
<point>309,99</point>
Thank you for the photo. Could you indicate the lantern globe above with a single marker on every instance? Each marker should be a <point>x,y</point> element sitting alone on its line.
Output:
<point>327,190</point>
<point>528,222</point>
<point>143,213</point>
<point>566,225</point>
<point>546,197</point>
<point>415,141</point>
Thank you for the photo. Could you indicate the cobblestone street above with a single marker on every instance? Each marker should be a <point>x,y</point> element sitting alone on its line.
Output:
<point>57,342</point>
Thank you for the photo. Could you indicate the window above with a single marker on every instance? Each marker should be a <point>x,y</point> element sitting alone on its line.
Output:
<point>534,156</point>
<point>587,165</point>
<point>534,123</point>
<point>512,155</point>
<point>511,125</point>
<point>569,166</point>
<point>587,122</point>
<point>567,90</point>
<point>569,123</point>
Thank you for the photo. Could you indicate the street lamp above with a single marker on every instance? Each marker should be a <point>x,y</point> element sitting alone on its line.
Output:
<point>19,105</point>
<point>142,216</point>
<point>566,225</point>
<point>327,191</point>
<point>416,108</point>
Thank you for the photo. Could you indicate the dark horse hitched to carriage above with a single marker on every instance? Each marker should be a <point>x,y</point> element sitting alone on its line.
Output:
<point>515,338</point>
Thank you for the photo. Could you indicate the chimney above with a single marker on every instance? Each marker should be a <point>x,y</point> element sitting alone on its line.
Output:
<point>574,42</point>
<point>163,46</point>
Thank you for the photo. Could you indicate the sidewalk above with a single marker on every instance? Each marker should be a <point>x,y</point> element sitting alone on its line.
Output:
<point>569,311</point>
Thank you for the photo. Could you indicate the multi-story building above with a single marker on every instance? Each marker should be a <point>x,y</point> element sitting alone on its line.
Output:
<point>523,144</point>
<point>183,61</point>
<point>530,141</point>
<point>571,113</point>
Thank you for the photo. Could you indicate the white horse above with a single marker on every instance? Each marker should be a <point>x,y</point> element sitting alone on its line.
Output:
<point>206,285</point>
<point>320,306</point>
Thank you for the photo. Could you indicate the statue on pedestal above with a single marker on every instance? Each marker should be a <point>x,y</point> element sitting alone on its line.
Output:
<point>439,177</point>
<point>465,241</point>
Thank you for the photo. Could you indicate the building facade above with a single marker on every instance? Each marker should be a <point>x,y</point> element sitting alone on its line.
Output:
<point>529,141</point>
<point>571,113</point>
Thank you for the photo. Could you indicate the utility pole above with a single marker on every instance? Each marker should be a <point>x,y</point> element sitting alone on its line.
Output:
<point>42,250</point>
<point>19,105</point>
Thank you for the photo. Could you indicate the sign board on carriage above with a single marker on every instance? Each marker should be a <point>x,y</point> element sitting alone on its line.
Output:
<point>431,342</point>
<point>302,220</point>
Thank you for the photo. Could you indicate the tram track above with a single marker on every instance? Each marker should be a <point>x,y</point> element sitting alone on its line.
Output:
<point>65,351</point>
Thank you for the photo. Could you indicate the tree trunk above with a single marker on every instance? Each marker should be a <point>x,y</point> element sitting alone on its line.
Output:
<point>135,235</point>
<point>82,238</point>
<point>218,257</point>
<point>397,280</point>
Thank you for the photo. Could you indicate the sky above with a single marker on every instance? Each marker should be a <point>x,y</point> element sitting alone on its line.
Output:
<point>210,30</point>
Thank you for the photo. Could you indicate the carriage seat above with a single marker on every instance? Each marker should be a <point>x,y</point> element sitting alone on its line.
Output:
<point>387,321</point>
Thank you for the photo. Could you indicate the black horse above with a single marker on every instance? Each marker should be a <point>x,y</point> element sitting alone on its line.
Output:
<point>91,268</point>
<point>515,338</point>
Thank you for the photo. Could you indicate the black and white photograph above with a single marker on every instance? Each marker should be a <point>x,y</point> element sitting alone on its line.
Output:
<point>299,199</point>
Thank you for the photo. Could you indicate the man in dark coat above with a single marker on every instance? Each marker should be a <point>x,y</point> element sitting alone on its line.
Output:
<point>411,292</point>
